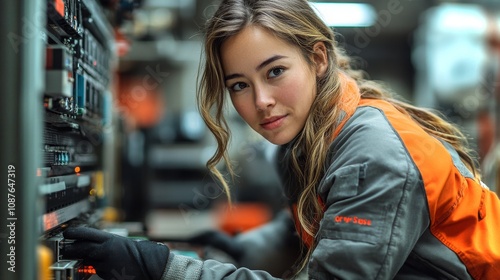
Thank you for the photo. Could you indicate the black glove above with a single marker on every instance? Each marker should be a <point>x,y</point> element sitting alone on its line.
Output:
<point>116,257</point>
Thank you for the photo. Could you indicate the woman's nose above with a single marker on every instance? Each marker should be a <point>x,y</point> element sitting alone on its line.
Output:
<point>263,98</point>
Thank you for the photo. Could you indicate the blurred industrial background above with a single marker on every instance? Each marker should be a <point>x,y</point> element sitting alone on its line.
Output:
<point>129,91</point>
<point>437,54</point>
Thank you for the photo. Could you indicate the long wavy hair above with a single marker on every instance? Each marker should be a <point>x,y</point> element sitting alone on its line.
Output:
<point>295,22</point>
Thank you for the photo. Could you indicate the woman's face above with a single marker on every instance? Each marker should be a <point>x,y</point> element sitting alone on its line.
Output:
<point>270,84</point>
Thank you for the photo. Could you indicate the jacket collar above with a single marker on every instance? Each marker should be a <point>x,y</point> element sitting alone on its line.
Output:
<point>348,102</point>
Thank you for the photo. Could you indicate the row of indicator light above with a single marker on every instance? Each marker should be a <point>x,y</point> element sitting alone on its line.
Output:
<point>62,158</point>
<point>87,270</point>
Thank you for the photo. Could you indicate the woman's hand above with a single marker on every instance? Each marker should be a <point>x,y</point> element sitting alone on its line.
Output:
<point>116,257</point>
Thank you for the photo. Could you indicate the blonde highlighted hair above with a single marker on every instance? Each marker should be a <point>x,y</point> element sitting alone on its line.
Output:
<point>295,22</point>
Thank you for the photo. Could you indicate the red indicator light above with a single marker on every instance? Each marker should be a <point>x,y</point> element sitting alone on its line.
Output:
<point>87,270</point>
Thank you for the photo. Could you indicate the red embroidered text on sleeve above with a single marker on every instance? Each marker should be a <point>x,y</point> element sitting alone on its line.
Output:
<point>352,220</point>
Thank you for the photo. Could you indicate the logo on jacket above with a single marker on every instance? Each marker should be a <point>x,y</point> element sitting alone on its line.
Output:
<point>352,220</point>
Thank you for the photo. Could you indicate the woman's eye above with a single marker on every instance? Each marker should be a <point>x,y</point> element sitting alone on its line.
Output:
<point>276,72</point>
<point>238,86</point>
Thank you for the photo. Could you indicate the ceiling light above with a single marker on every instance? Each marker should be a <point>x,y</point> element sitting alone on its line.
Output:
<point>345,14</point>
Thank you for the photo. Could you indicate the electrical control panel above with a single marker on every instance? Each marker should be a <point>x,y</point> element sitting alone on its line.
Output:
<point>77,101</point>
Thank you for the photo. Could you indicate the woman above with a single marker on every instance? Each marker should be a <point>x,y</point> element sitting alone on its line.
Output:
<point>378,189</point>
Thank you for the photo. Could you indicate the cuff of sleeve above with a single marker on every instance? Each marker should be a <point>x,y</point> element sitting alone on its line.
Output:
<point>181,267</point>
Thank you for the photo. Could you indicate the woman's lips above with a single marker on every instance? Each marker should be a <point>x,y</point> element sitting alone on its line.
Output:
<point>273,122</point>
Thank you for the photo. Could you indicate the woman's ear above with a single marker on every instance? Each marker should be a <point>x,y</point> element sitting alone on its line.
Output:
<point>320,58</point>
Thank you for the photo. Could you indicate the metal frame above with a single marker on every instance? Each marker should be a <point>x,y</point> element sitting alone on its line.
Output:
<point>21,77</point>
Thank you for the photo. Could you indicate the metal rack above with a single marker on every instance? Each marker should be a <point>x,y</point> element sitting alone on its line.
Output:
<point>43,117</point>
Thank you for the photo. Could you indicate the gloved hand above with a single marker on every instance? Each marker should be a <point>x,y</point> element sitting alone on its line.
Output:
<point>116,257</point>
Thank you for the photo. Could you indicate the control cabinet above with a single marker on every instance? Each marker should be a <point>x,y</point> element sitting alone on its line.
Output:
<point>57,73</point>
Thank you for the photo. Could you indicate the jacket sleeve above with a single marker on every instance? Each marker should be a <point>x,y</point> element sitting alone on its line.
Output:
<point>375,203</point>
<point>181,267</point>
<point>268,252</point>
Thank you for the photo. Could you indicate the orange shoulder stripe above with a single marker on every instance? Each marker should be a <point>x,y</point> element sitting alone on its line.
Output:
<point>464,216</point>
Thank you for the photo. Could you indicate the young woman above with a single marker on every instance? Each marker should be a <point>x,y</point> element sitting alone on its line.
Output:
<point>379,189</point>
